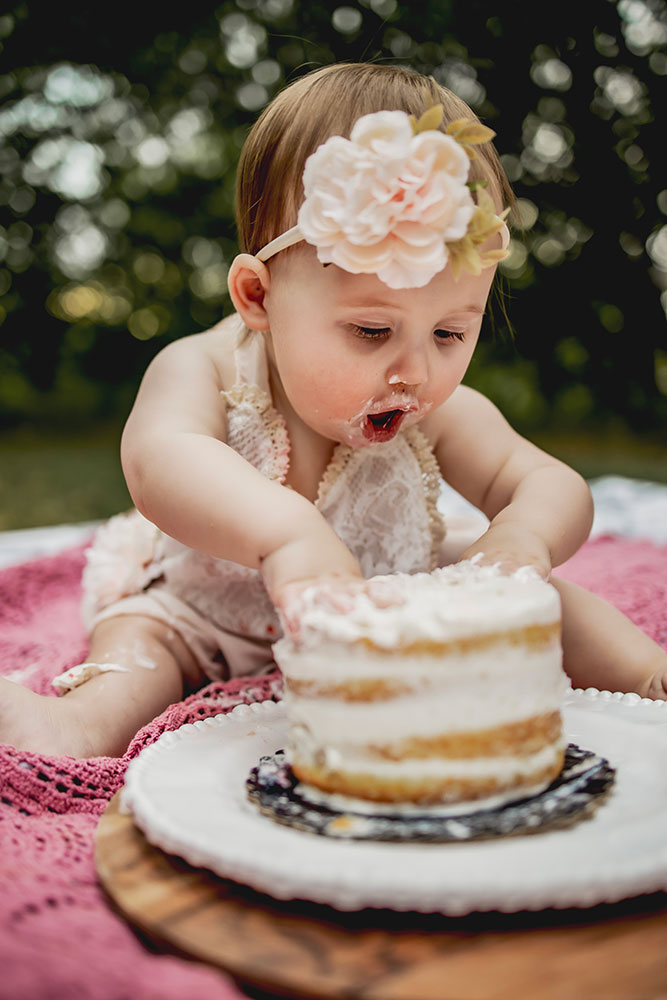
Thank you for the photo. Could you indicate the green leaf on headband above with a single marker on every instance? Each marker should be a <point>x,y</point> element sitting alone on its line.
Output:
<point>457,125</point>
<point>492,257</point>
<point>430,120</point>
<point>465,254</point>
<point>470,133</point>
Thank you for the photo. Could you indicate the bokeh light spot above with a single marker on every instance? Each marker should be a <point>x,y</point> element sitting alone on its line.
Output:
<point>513,265</point>
<point>552,74</point>
<point>242,39</point>
<point>80,300</point>
<point>347,20</point>
<point>149,268</point>
<point>661,366</point>
<point>152,152</point>
<point>611,317</point>
<point>114,213</point>
<point>143,324</point>
<point>210,282</point>
<point>549,143</point>
<point>548,251</point>
<point>572,354</point>
<point>81,86</point>
<point>6,25</point>
<point>252,96</point>
<point>81,250</point>
<point>528,213</point>
<point>384,8</point>
<point>192,61</point>
<point>656,246</point>
<point>267,72</point>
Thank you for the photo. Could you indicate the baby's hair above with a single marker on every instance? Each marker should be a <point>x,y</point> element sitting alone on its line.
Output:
<point>328,102</point>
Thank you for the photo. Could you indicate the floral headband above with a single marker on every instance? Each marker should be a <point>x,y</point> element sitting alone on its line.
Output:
<point>394,199</point>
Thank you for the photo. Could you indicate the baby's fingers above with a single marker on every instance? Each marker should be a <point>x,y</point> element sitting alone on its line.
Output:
<point>384,592</point>
<point>657,687</point>
<point>334,594</point>
<point>507,562</point>
<point>337,595</point>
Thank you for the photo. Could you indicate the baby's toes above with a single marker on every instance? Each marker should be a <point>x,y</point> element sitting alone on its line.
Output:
<point>658,687</point>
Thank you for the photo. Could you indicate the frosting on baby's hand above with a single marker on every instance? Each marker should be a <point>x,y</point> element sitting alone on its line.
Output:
<point>511,549</point>
<point>337,595</point>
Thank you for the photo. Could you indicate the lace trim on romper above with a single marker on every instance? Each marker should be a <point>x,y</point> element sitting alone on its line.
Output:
<point>258,431</point>
<point>432,480</point>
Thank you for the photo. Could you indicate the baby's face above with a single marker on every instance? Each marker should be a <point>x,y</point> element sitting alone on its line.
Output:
<point>358,360</point>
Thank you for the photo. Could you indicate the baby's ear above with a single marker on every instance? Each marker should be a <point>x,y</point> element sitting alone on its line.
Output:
<point>248,282</point>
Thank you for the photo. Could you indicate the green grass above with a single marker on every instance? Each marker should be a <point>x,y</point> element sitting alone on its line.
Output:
<point>57,477</point>
<point>53,477</point>
<point>609,452</point>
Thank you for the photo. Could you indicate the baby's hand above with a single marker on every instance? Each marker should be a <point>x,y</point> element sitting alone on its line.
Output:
<point>311,551</point>
<point>333,592</point>
<point>510,546</point>
<point>336,594</point>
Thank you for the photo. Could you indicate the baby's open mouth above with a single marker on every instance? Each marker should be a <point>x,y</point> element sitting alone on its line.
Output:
<point>382,426</point>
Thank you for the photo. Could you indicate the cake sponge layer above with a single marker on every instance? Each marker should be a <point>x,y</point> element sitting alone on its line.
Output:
<point>434,789</point>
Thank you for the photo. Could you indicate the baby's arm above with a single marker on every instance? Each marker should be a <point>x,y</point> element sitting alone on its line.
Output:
<point>185,479</point>
<point>540,513</point>
<point>540,510</point>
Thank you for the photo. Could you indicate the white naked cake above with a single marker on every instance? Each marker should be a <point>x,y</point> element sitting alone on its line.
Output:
<point>453,695</point>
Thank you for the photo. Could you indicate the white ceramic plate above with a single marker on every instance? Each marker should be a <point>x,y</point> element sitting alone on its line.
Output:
<point>187,794</point>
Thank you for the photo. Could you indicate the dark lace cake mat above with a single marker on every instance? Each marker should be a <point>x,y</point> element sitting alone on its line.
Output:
<point>579,788</point>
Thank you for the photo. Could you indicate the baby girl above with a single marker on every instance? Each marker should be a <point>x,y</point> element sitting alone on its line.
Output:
<point>305,437</point>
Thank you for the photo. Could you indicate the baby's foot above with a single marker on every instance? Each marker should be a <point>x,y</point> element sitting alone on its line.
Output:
<point>40,724</point>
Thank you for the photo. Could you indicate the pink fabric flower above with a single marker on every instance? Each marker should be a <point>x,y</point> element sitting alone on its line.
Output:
<point>387,201</point>
<point>122,561</point>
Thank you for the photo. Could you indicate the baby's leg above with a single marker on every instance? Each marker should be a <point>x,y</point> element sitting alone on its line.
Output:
<point>100,717</point>
<point>603,649</point>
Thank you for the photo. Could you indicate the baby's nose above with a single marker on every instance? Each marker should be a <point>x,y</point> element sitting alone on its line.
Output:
<point>409,370</point>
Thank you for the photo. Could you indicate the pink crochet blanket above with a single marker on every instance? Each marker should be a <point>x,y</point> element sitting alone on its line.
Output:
<point>58,936</point>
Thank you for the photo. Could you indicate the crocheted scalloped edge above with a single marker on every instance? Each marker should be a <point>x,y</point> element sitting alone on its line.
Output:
<point>243,392</point>
<point>274,423</point>
<point>340,459</point>
<point>430,470</point>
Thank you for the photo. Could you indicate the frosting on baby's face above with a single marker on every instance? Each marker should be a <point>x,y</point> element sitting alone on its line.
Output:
<point>356,360</point>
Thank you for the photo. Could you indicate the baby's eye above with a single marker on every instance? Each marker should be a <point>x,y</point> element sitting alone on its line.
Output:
<point>449,335</point>
<point>371,332</point>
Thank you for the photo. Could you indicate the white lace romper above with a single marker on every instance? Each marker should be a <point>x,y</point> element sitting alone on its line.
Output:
<point>381,500</point>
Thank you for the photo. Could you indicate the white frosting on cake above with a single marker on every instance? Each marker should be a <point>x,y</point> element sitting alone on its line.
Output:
<point>453,602</point>
<point>462,650</point>
<point>484,690</point>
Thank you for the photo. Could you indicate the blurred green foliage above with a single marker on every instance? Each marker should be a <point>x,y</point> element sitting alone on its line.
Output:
<point>118,145</point>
